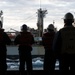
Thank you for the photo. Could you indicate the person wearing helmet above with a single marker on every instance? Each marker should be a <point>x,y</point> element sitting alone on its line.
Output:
<point>50,27</point>
<point>25,40</point>
<point>47,41</point>
<point>4,41</point>
<point>64,45</point>
<point>24,27</point>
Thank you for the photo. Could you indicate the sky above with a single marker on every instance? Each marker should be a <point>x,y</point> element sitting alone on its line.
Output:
<point>19,12</point>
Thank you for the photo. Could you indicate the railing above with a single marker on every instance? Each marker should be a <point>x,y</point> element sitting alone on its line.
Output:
<point>37,54</point>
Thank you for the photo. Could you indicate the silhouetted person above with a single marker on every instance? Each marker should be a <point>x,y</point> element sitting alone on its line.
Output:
<point>65,45</point>
<point>25,40</point>
<point>4,40</point>
<point>47,40</point>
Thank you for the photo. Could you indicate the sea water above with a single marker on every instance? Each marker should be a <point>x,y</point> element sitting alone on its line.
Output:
<point>36,62</point>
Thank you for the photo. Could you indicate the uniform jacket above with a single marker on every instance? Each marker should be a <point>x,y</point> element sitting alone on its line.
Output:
<point>47,39</point>
<point>24,39</point>
<point>64,41</point>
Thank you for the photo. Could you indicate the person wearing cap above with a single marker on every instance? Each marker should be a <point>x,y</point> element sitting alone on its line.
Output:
<point>47,41</point>
<point>4,41</point>
<point>25,40</point>
<point>64,45</point>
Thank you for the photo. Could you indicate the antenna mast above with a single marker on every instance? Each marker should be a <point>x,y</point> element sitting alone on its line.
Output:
<point>40,3</point>
<point>41,15</point>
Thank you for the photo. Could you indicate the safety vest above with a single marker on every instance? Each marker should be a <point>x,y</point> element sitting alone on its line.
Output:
<point>26,38</point>
<point>48,39</point>
<point>68,40</point>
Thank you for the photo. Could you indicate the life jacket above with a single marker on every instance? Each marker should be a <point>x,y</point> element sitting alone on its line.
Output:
<point>26,38</point>
<point>47,39</point>
<point>68,40</point>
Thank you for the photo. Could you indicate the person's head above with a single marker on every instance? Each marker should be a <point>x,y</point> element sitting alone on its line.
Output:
<point>0,24</point>
<point>68,18</point>
<point>50,27</point>
<point>24,27</point>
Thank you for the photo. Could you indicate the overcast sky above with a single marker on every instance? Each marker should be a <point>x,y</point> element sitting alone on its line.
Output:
<point>18,12</point>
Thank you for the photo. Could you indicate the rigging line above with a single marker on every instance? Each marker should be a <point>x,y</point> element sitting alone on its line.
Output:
<point>14,26</point>
<point>8,27</point>
<point>28,18</point>
<point>40,3</point>
<point>30,15</point>
<point>25,21</point>
<point>21,19</point>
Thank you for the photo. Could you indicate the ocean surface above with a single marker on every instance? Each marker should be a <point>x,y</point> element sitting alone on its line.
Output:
<point>37,64</point>
<point>13,64</point>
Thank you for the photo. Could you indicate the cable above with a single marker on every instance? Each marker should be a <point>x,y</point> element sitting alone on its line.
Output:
<point>27,19</point>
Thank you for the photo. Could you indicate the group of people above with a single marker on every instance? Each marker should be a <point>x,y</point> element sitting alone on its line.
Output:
<point>58,45</point>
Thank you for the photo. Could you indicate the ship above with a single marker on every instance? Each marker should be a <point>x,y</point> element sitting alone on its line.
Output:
<point>38,50</point>
<point>12,50</point>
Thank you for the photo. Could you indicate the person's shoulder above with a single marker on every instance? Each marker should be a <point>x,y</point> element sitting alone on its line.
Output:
<point>29,33</point>
<point>1,30</point>
<point>46,33</point>
<point>68,28</point>
<point>58,32</point>
<point>5,33</point>
<point>62,29</point>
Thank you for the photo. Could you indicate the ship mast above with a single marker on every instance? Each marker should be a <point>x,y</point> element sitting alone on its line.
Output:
<point>41,14</point>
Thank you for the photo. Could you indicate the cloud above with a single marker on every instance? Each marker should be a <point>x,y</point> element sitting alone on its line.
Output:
<point>17,12</point>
